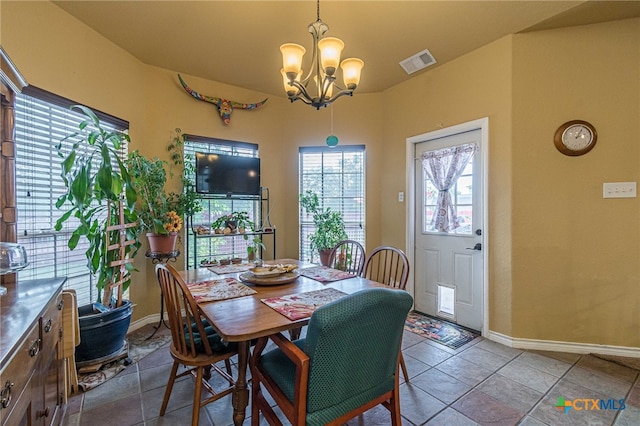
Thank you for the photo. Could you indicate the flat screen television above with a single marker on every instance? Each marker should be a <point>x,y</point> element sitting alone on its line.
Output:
<point>228,175</point>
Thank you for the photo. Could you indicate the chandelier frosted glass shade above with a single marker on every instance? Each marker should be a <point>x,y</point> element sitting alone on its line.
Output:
<point>318,88</point>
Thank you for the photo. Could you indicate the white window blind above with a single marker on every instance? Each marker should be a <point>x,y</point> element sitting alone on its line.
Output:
<point>214,207</point>
<point>336,175</point>
<point>42,121</point>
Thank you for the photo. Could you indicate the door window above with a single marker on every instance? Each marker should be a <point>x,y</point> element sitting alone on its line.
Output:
<point>461,199</point>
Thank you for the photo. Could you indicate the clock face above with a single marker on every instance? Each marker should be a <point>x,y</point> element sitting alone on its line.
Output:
<point>577,137</point>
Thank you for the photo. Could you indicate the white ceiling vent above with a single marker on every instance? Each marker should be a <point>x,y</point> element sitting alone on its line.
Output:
<point>418,61</point>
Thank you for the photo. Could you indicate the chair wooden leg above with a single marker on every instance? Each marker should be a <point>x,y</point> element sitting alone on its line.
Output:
<point>404,368</point>
<point>167,392</point>
<point>394,407</point>
<point>227,364</point>
<point>195,416</point>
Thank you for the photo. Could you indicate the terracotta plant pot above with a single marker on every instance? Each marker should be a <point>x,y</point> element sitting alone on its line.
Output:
<point>324,257</point>
<point>162,243</point>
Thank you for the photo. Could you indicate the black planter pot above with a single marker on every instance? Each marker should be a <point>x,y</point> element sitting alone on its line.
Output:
<point>102,334</point>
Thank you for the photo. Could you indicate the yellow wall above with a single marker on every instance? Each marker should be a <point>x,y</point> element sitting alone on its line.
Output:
<point>475,86</point>
<point>563,262</point>
<point>58,53</point>
<point>575,254</point>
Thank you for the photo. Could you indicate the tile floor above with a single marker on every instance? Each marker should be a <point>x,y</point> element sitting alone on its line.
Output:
<point>481,383</point>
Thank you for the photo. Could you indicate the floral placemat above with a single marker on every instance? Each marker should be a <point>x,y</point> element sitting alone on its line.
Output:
<point>324,274</point>
<point>302,305</point>
<point>221,289</point>
<point>231,268</point>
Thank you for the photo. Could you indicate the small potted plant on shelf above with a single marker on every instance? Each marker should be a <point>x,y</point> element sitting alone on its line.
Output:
<point>232,223</point>
<point>253,247</point>
<point>329,225</point>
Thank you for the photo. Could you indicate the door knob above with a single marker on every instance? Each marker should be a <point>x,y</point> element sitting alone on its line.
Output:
<point>478,246</point>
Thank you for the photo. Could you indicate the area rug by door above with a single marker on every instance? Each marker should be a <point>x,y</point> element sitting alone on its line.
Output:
<point>140,345</point>
<point>443,332</point>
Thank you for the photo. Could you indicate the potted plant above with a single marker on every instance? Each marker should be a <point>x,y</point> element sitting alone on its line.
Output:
<point>157,210</point>
<point>329,226</point>
<point>253,246</point>
<point>98,186</point>
<point>162,213</point>
<point>232,223</point>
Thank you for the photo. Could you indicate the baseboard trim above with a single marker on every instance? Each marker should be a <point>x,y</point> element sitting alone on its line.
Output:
<point>556,346</point>
<point>512,342</point>
<point>149,319</point>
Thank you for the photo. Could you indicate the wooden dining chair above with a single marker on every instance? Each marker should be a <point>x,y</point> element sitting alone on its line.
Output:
<point>340,369</point>
<point>194,343</point>
<point>348,256</point>
<point>388,265</point>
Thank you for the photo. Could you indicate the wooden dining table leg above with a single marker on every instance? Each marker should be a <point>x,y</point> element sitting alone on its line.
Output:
<point>241,392</point>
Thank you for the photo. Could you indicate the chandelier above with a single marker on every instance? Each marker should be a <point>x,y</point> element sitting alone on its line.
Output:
<point>318,87</point>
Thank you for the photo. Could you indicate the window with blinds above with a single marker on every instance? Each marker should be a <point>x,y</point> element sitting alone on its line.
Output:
<point>336,175</point>
<point>216,206</point>
<point>42,121</point>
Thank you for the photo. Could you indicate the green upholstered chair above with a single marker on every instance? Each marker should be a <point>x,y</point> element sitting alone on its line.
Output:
<point>194,343</point>
<point>347,364</point>
<point>348,256</point>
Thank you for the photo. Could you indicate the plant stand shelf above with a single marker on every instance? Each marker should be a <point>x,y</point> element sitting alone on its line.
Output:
<point>155,259</point>
<point>196,242</point>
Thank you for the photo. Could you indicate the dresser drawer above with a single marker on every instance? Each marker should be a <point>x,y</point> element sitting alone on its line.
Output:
<point>51,325</point>
<point>15,376</point>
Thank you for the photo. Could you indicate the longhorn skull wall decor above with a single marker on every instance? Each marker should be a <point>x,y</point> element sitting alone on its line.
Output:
<point>225,106</point>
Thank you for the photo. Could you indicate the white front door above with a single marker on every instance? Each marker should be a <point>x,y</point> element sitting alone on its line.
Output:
<point>448,271</point>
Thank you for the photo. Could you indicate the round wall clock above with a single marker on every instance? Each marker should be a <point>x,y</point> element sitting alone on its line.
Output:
<point>575,137</point>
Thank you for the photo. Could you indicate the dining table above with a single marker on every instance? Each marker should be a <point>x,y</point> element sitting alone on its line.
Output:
<point>242,319</point>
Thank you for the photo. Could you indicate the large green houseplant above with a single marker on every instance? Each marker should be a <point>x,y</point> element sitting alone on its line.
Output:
<point>99,188</point>
<point>160,211</point>
<point>329,225</point>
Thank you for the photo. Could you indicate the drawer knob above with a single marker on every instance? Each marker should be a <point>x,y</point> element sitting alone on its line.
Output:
<point>47,326</point>
<point>42,413</point>
<point>5,394</point>
<point>35,348</point>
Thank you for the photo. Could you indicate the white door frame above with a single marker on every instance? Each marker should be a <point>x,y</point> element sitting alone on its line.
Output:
<point>483,125</point>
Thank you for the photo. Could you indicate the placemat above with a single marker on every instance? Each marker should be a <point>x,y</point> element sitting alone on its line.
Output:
<point>324,274</point>
<point>221,289</point>
<point>302,305</point>
<point>231,268</point>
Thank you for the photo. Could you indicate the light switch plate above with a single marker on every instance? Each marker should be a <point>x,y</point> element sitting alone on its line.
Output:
<point>619,190</point>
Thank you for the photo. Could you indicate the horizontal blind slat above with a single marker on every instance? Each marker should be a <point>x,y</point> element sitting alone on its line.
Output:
<point>40,126</point>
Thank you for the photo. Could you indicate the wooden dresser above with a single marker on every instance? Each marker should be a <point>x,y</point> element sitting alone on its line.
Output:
<point>32,390</point>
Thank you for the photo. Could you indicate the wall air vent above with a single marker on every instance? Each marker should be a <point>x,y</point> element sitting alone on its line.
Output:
<point>418,61</point>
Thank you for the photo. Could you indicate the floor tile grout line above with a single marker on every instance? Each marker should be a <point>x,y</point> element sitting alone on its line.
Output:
<point>544,396</point>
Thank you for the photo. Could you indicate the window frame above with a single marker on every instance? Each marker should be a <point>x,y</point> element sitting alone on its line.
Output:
<point>356,227</point>
<point>42,120</point>
<point>215,206</point>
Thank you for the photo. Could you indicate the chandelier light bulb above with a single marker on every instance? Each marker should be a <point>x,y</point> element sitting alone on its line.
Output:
<point>292,59</point>
<point>351,69</point>
<point>291,89</point>
<point>330,50</point>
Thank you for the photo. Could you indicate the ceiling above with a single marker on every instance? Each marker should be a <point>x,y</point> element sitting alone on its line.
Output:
<point>237,42</point>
